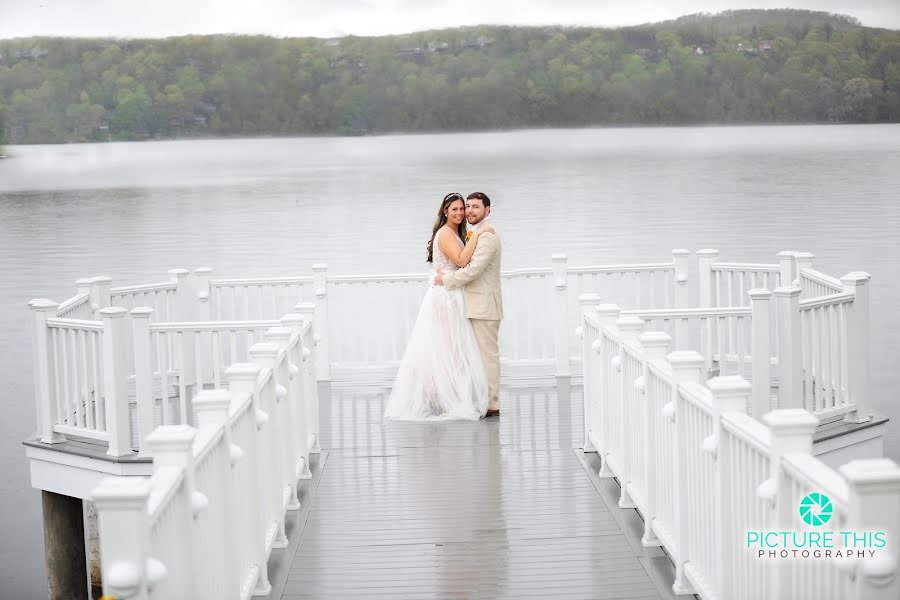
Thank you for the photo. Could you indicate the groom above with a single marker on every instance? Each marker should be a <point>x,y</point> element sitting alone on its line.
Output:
<point>484,304</point>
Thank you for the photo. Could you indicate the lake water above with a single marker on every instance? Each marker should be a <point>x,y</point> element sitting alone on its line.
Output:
<point>366,205</point>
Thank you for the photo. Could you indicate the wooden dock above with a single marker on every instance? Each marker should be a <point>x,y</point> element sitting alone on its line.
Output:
<point>506,507</point>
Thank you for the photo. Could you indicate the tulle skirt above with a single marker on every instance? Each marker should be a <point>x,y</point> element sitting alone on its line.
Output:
<point>441,376</point>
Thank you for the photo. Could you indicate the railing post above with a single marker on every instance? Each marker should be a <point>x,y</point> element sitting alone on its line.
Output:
<point>857,334</point>
<point>630,328</point>
<point>759,344</point>
<point>687,367</point>
<point>212,408</point>
<point>656,346</point>
<point>587,304</point>
<point>265,354</point>
<point>242,378</point>
<point>320,284</point>
<point>803,260</point>
<point>44,381</point>
<point>874,497</point>
<point>788,268</point>
<point>308,311</point>
<point>143,377</point>
<point>203,313</point>
<point>101,296</point>
<point>792,432</point>
<point>121,504</point>
<point>705,260</point>
<point>790,366</point>
<point>607,317</point>
<point>115,381</point>
<point>300,396</point>
<point>729,394</point>
<point>560,283</point>
<point>682,260</point>
<point>83,286</point>
<point>185,360</point>
<point>287,407</point>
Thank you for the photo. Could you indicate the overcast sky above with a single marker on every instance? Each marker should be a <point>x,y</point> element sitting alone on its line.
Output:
<point>327,18</point>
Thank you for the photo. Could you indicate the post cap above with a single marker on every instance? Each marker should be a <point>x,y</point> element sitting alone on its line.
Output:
<point>203,270</point>
<point>242,372</point>
<point>84,281</point>
<point>729,386</point>
<point>319,267</point>
<point>787,292</point>
<point>212,400</point>
<point>588,299</point>
<point>685,359</point>
<point>141,312</point>
<point>608,310</point>
<point>759,294</point>
<point>118,491</point>
<point>559,258</point>
<point>880,471</point>
<point>708,252</point>
<point>278,333</point>
<point>172,438</point>
<point>101,279</point>
<point>113,312</point>
<point>305,307</point>
<point>791,420</point>
<point>264,350</point>
<point>785,254</point>
<point>681,252</point>
<point>293,320</point>
<point>808,256</point>
<point>43,305</point>
<point>179,272</point>
<point>655,339</point>
<point>630,323</point>
<point>856,278</point>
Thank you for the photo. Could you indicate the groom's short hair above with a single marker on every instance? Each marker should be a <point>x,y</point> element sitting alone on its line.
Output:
<point>480,196</point>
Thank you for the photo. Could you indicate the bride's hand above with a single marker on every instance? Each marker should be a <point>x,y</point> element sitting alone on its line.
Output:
<point>487,229</point>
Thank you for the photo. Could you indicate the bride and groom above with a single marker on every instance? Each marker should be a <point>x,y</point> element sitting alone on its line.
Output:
<point>451,366</point>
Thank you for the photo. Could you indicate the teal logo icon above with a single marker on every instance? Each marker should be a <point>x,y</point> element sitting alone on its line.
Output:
<point>816,509</point>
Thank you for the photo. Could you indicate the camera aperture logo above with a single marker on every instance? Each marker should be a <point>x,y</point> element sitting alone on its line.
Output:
<point>815,510</point>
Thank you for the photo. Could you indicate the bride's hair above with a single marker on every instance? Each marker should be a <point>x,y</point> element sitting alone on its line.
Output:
<point>442,220</point>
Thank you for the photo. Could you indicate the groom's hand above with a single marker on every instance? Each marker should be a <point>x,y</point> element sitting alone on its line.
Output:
<point>439,278</point>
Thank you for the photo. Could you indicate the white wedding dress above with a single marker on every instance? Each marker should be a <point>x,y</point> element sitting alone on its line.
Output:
<point>441,376</point>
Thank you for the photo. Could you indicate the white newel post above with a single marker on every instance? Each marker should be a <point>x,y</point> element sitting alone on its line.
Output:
<point>790,374</point>
<point>687,367</point>
<point>182,311</point>
<point>857,331</point>
<point>308,311</point>
<point>287,407</point>
<point>101,296</point>
<point>203,313</point>
<point>242,379</point>
<point>172,446</point>
<point>682,260</point>
<point>299,397</point>
<point>759,350</point>
<point>143,376</point>
<point>804,261</point>
<point>705,259</point>
<point>656,346</point>
<point>787,262</point>
<point>42,357</point>
<point>630,329</point>
<point>587,304</point>
<point>121,505</point>
<point>271,457</point>
<point>320,284</point>
<point>729,394</point>
<point>874,500</point>
<point>792,432</point>
<point>220,557</point>
<point>561,301</point>
<point>115,381</point>
<point>83,287</point>
<point>607,317</point>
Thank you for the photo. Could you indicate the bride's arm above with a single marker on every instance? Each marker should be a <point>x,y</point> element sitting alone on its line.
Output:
<point>459,256</point>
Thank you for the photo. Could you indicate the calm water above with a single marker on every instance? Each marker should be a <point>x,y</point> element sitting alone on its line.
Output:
<point>273,207</point>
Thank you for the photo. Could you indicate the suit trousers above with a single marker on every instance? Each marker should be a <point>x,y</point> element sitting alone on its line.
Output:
<point>486,336</point>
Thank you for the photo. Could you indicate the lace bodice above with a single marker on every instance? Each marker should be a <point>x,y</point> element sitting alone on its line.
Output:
<point>441,262</point>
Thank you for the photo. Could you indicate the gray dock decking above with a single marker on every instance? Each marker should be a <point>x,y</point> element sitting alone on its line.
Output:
<point>506,507</point>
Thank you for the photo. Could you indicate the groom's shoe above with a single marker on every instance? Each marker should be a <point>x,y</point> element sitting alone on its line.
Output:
<point>492,412</point>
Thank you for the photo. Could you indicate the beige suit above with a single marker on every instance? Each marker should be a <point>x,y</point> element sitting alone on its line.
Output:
<point>484,305</point>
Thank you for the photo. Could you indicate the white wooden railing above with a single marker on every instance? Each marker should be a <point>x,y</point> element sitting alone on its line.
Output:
<point>704,474</point>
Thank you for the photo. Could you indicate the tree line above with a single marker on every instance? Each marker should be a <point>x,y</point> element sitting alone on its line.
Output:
<point>751,66</point>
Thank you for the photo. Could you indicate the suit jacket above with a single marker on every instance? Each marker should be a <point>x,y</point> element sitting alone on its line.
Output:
<point>481,280</point>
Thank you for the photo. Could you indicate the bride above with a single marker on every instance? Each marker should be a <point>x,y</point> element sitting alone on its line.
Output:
<point>441,376</point>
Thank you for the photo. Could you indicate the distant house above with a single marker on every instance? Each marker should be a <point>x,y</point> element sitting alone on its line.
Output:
<point>704,48</point>
<point>645,53</point>
<point>764,45</point>
<point>483,41</point>
<point>409,52</point>
<point>31,53</point>
<point>438,46</point>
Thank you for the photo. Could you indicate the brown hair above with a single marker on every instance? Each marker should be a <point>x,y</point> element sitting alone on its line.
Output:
<point>480,196</point>
<point>442,220</point>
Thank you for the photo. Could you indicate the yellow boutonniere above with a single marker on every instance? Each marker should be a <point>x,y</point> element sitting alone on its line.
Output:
<point>468,235</point>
